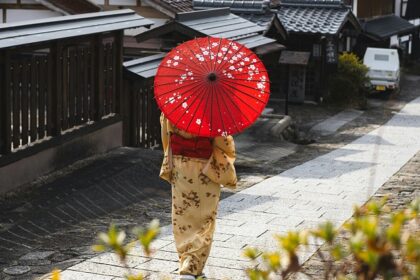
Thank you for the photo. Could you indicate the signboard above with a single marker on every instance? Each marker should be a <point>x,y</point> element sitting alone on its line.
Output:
<point>331,54</point>
<point>297,78</point>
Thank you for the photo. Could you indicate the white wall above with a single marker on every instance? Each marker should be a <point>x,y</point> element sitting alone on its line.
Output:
<point>117,2</point>
<point>123,2</point>
<point>355,7</point>
<point>98,2</point>
<point>14,15</point>
<point>398,8</point>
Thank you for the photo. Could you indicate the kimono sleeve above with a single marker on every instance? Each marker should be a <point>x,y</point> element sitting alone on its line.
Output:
<point>220,167</point>
<point>165,170</point>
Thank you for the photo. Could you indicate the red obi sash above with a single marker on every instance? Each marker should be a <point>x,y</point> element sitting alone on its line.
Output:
<point>199,147</point>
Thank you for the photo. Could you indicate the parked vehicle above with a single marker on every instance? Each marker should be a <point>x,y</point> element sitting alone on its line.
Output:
<point>384,68</point>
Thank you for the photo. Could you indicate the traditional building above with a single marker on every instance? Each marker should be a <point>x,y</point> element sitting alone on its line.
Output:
<point>61,91</point>
<point>385,24</point>
<point>19,10</point>
<point>323,29</point>
<point>410,10</point>
<point>215,22</point>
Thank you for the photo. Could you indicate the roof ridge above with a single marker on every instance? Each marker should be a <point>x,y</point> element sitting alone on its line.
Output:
<point>313,3</point>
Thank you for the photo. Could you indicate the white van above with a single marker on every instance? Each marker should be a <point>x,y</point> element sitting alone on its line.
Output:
<point>384,68</point>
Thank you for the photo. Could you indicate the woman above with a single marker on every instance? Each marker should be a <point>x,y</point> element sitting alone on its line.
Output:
<point>196,167</point>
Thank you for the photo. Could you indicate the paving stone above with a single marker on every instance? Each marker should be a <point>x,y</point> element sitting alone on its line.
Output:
<point>78,275</point>
<point>161,255</point>
<point>17,270</point>
<point>160,276</point>
<point>226,253</point>
<point>36,258</point>
<point>229,222</point>
<point>226,263</point>
<point>247,216</point>
<point>288,221</point>
<point>102,269</point>
<point>216,272</point>
<point>113,259</point>
<point>159,265</point>
<point>221,236</point>
<point>169,248</point>
<point>332,124</point>
<point>244,230</point>
<point>286,212</point>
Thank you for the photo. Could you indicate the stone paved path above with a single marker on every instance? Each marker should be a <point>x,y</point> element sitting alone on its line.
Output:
<point>324,188</point>
<point>331,125</point>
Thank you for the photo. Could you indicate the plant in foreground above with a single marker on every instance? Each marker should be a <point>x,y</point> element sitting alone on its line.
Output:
<point>380,244</point>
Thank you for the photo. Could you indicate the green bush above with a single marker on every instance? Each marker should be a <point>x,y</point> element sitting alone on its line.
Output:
<point>380,245</point>
<point>347,85</point>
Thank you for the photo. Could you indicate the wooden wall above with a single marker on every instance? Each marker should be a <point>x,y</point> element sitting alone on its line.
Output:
<point>374,8</point>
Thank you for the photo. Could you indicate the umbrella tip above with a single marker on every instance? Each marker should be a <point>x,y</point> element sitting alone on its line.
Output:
<point>212,77</point>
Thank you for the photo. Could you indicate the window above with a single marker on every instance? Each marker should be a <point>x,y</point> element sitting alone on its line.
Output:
<point>381,57</point>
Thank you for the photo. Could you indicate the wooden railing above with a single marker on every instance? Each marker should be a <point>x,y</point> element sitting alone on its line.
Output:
<point>49,90</point>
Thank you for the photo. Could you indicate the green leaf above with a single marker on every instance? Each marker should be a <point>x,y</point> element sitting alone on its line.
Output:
<point>251,253</point>
<point>272,260</point>
<point>257,274</point>
<point>134,277</point>
<point>146,235</point>
<point>338,252</point>
<point>326,232</point>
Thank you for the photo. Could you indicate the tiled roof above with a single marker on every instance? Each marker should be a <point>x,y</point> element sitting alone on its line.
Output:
<point>222,23</point>
<point>71,7</point>
<point>316,3</point>
<point>313,19</point>
<point>260,19</point>
<point>236,6</point>
<point>256,11</point>
<point>216,23</point>
<point>171,7</point>
<point>145,67</point>
<point>56,28</point>
<point>387,26</point>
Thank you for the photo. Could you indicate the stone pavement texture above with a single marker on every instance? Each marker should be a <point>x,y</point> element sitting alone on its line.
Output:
<point>331,125</point>
<point>400,190</point>
<point>325,188</point>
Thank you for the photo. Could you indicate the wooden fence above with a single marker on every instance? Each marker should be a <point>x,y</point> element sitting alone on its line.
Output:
<point>49,90</point>
<point>142,125</point>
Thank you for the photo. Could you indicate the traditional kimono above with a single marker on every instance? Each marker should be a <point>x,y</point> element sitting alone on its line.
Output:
<point>196,184</point>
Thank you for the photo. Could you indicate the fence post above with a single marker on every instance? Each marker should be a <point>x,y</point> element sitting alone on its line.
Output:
<point>126,100</point>
<point>55,97</point>
<point>98,65</point>
<point>5,125</point>
<point>119,53</point>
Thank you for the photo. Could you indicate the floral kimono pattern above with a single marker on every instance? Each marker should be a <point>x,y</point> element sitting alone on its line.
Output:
<point>195,195</point>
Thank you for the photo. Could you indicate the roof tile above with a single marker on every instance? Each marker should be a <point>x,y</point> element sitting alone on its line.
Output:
<point>312,19</point>
<point>385,27</point>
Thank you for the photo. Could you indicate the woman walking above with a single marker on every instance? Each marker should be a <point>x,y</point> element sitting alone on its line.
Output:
<point>196,167</point>
<point>207,89</point>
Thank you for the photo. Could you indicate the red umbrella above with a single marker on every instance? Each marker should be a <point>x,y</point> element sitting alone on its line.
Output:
<point>211,87</point>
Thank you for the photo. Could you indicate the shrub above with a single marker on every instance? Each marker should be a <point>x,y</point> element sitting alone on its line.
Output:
<point>347,85</point>
<point>381,245</point>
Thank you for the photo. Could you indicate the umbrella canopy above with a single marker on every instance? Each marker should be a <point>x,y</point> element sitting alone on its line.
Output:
<point>211,87</point>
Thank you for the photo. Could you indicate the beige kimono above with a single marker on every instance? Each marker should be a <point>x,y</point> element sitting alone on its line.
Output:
<point>195,195</point>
